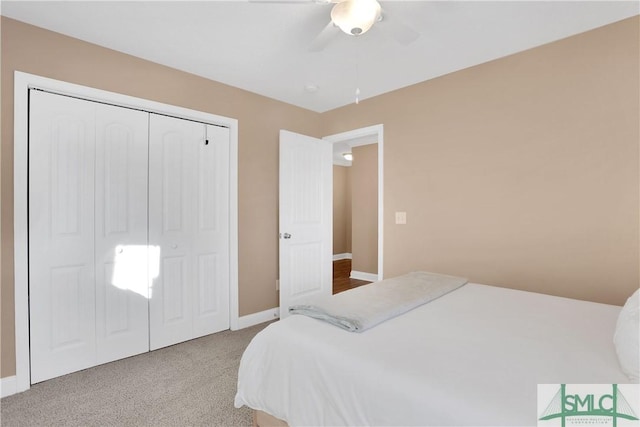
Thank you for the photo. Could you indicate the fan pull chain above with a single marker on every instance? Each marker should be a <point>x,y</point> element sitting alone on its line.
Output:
<point>357,76</point>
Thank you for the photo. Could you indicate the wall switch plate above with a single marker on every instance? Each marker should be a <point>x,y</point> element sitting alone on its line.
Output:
<point>401,217</point>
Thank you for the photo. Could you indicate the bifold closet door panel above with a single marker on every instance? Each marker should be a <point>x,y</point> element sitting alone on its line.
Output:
<point>189,226</point>
<point>211,240</point>
<point>122,280</point>
<point>173,149</point>
<point>88,275</point>
<point>61,235</point>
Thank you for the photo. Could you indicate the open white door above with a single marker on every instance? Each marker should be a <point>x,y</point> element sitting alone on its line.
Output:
<point>306,240</point>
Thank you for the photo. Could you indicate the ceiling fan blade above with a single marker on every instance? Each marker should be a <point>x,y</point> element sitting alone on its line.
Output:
<point>328,33</point>
<point>281,1</point>
<point>400,31</point>
<point>292,1</point>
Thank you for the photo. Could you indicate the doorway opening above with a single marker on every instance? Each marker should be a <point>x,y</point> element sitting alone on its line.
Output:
<point>357,207</point>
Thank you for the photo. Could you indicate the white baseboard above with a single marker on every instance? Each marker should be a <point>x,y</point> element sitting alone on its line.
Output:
<point>359,275</point>
<point>8,386</point>
<point>338,257</point>
<point>257,318</point>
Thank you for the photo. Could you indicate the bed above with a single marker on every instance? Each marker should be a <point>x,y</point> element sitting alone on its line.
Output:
<point>471,357</point>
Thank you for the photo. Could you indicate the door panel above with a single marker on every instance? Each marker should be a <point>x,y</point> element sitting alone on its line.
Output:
<point>172,154</point>
<point>122,319</point>
<point>177,153</point>
<point>61,235</point>
<point>174,292</point>
<point>304,268</point>
<point>207,296</point>
<point>305,218</point>
<point>189,223</point>
<point>66,307</point>
<point>211,239</point>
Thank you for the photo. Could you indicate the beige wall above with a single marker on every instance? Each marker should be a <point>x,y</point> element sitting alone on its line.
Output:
<point>33,50</point>
<point>521,172</point>
<point>341,210</point>
<point>364,209</point>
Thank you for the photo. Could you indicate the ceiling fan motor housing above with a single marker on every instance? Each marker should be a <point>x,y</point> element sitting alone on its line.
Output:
<point>355,17</point>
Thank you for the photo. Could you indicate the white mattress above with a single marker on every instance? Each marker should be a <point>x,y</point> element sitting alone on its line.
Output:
<point>472,357</point>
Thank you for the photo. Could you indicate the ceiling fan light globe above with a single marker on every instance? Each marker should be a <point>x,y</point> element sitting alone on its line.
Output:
<point>355,17</point>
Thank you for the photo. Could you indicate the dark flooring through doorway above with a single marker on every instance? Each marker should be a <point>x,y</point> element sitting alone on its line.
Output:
<point>341,279</point>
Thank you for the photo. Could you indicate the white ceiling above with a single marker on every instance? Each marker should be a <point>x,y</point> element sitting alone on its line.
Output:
<point>263,47</point>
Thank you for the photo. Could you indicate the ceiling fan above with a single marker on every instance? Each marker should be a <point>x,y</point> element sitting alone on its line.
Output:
<point>354,17</point>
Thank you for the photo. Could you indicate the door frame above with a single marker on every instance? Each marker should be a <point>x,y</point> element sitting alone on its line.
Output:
<point>370,135</point>
<point>22,83</point>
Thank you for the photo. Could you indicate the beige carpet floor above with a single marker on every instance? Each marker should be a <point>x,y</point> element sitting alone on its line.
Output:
<point>189,384</point>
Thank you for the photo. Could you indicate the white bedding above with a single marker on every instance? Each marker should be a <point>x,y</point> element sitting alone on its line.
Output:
<point>471,357</point>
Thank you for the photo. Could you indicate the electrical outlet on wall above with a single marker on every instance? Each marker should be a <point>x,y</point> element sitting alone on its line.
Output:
<point>401,217</point>
<point>277,284</point>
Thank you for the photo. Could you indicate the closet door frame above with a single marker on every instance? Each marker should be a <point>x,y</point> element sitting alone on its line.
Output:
<point>23,82</point>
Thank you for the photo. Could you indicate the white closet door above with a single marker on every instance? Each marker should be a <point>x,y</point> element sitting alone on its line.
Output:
<point>211,239</point>
<point>88,273</point>
<point>173,148</point>
<point>61,235</point>
<point>188,223</point>
<point>122,282</point>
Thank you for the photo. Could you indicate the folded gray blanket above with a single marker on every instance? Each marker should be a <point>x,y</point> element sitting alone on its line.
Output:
<point>362,308</point>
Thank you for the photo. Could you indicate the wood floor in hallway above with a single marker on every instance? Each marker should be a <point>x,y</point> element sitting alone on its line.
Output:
<point>341,280</point>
